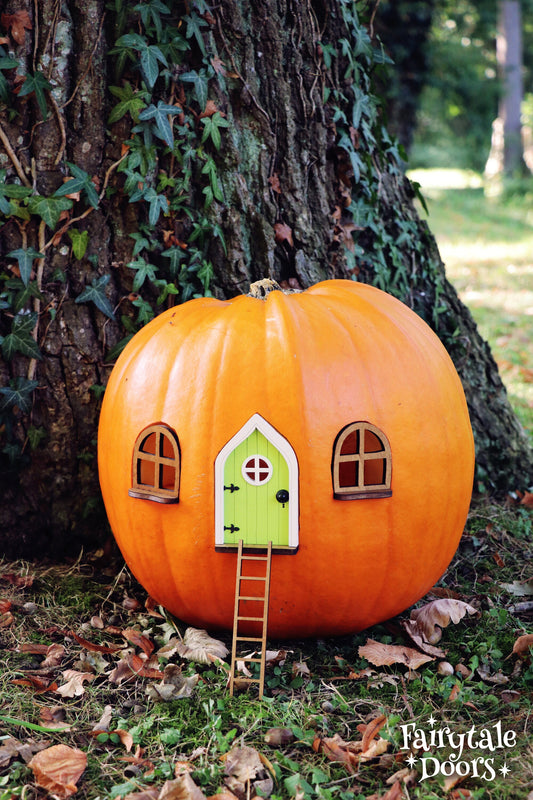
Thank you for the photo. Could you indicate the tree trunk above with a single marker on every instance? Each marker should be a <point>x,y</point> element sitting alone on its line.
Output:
<point>506,158</point>
<point>253,147</point>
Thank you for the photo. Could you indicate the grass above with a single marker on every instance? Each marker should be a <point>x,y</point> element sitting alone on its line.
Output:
<point>487,246</point>
<point>147,742</point>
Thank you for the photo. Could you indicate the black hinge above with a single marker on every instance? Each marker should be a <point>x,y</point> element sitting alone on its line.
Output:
<point>231,488</point>
<point>231,528</point>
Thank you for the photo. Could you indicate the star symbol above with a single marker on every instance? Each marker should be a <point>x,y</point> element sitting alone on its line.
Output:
<point>411,760</point>
<point>432,720</point>
<point>504,770</point>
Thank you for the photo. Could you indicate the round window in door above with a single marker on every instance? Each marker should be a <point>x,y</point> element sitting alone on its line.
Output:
<point>256,470</point>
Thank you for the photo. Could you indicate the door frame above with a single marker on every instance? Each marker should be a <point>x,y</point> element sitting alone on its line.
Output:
<point>280,443</point>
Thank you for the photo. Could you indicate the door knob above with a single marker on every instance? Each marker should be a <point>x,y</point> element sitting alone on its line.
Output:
<point>282,497</point>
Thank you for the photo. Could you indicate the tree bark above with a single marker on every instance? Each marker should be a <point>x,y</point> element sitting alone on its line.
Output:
<point>506,158</point>
<point>296,202</point>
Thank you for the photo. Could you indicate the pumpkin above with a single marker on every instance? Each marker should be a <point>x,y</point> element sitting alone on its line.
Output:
<point>330,421</point>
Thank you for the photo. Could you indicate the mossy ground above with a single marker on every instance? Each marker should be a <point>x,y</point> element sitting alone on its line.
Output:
<point>47,604</point>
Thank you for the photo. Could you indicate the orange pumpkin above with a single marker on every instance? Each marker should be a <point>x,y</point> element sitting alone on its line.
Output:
<point>336,410</point>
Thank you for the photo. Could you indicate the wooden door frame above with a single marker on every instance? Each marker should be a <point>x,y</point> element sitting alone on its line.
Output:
<point>256,422</point>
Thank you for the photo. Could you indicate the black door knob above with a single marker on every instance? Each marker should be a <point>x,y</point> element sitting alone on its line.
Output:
<point>282,496</point>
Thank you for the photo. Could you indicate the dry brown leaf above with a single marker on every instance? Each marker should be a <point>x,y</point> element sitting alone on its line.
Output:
<point>105,721</point>
<point>54,656</point>
<point>519,588</point>
<point>274,183</point>
<point>210,109</point>
<point>412,629</point>
<point>246,774</point>
<point>182,788</point>
<point>527,500</point>
<point>146,794</point>
<point>283,233</point>
<point>137,639</point>
<point>74,683</point>
<point>54,718</point>
<point>12,748</point>
<point>198,646</point>
<point>17,23</point>
<point>38,684</point>
<point>376,748</point>
<point>372,730</point>
<point>6,619</point>
<point>173,686</point>
<point>438,614</point>
<point>58,769</point>
<point>522,644</point>
<point>96,648</point>
<point>381,655</point>
<point>335,749</point>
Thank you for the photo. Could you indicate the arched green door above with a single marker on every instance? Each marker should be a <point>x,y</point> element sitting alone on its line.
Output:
<point>257,489</point>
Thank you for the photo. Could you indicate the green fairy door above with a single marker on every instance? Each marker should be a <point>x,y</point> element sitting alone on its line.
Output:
<point>257,494</point>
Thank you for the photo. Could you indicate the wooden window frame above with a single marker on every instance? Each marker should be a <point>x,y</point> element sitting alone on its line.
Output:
<point>156,491</point>
<point>360,490</point>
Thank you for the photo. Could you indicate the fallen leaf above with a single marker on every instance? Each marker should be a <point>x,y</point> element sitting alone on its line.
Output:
<point>97,622</point>
<point>17,23</point>
<point>5,605</point>
<point>74,683</point>
<point>96,648</point>
<point>210,109</point>
<point>198,646</point>
<point>6,619</point>
<point>438,614</point>
<point>38,684</point>
<point>412,629</point>
<point>182,788</point>
<point>58,769</point>
<point>173,686</point>
<point>527,500</point>
<point>519,588</point>
<point>523,644</point>
<point>283,233</point>
<point>137,639</point>
<point>245,773</point>
<point>372,730</point>
<point>381,654</point>
<point>491,677</point>
<point>104,722</point>
<point>18,581</point>
<point>53,718</point>
<point>54,656</point>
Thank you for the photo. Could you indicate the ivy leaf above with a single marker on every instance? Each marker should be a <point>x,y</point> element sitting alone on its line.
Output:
<point>194,28</point>
<point>81,182</point>
<point>37,83</point>
<point>80,240</point>
<point>48,208</point>
<point>143,270</point>
<point>10,190</point>
<point>160,113</point>
<point>25,258</point>
<point>150,55</point>
<point>131,101</point>
<point>141,243</point>
<point>157,203</point>
<point>18,393</point>
<point>212,127</point>
<point>20,340</point>
<point>175,254</point>
<point>153,9</point>
<point>95,293</point>
<point>200,84</point>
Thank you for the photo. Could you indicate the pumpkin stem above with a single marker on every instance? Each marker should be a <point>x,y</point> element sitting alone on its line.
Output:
<point>261,288</point>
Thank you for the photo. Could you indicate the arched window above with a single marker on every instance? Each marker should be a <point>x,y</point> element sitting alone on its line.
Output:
<point>362,464</point>
<point>156,465</point>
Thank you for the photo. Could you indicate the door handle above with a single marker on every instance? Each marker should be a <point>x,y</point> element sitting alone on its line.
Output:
<point>231,528</point>
<point>231,488</point>
<point>282,497</point>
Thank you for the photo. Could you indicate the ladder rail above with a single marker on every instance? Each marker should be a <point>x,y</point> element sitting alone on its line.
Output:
<point>237,618</point>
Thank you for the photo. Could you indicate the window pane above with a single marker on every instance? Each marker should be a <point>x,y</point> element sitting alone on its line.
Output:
<point>167,476</point>
<point>348,473</point>
<point>372,443</point>
<point>146,472</point>
<point>350,445</point>
<point>166,448</point>
<point>374,471</point>
<point>148,445</point>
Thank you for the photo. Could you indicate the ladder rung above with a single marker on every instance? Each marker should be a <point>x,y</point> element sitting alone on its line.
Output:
<point>251,619</point>
<point>247,597</point>
<point>252,578</point>
<point>238,679</point>
<point>248,658</point>
<point>254,558</point>
<point>248,639</point>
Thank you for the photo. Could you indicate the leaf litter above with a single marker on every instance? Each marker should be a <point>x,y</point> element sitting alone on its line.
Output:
<point>127,654</point>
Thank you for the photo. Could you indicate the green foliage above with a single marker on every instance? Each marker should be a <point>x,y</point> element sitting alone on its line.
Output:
<point>95,293</point>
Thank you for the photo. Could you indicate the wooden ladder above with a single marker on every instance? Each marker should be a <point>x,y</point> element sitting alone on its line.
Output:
<point>260,599</point>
